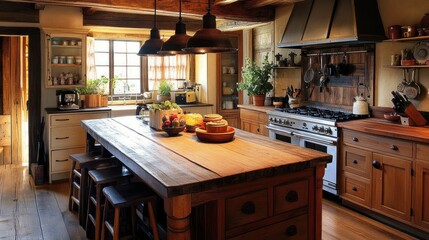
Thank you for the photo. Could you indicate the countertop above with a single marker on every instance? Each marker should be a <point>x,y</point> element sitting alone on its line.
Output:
<point>183,164</point>
<point>256,108</point>
<point>387,128</point>
<point>58,111</point>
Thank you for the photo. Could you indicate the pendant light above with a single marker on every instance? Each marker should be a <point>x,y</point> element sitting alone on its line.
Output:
<point>178,41</point>
<point>209,39</point>
<point>154,43</point>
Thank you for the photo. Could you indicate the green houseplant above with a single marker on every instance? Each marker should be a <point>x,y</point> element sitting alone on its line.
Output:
<point>256,80</point>
<point>164,90</point>
<point>94,94</point>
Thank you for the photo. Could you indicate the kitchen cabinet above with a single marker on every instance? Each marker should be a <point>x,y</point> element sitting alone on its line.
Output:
<point>254,121</point>
<point>421,194</point>
<point>66,136</point>
<point>392,186</point>
<point>65,58</point>
<point>228,75</point>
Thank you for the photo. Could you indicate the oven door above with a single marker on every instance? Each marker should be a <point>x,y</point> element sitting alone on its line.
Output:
<point>284,134</point>
<point>327,145</point>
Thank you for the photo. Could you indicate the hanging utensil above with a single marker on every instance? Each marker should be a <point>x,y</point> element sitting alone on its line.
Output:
<point>401,86</point>
<point>412,90</point>
<point>309,74</point>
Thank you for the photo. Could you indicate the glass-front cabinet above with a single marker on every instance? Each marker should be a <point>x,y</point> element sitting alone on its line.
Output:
<point>65,59</point>
<point>229,74</point>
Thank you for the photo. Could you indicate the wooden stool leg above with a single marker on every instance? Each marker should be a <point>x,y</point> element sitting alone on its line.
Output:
<point>98,221</point>
<point>153,222</point>
<point>88,221</point>
<point>116,224</point>
<point>133,221</point>
<point>83,196</point>
<point>71,186</point>
<point>103,228</point>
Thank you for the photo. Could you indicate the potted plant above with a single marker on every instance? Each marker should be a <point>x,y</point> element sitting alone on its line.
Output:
<point>164,90</point>
<point>256,80</point>
<point>95,92</point>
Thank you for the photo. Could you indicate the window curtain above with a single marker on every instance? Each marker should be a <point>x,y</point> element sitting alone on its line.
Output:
<point>169,68</point>
<point>91,72</point>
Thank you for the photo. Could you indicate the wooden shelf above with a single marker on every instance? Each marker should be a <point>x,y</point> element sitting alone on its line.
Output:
<point>410,39</point>
<point>65,86</point>
<point>412,66</point>
<point>297,67</point>
<point>66,65</point>
<point>66,46</point>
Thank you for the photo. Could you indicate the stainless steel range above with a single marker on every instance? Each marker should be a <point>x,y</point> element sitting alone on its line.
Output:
<point>313,128</point>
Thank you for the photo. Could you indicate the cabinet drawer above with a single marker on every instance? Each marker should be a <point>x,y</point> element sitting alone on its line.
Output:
<point>356,189</point>
<point>254,116</point>
<point>422,152</point>
<point>292,229</point>
<point>67,137</point>
<point>378,143</point>
<point>60,159</point>
<point>290,196</point>
<point>246,208</point>
<point>74,119</point>
<point>357,161</point>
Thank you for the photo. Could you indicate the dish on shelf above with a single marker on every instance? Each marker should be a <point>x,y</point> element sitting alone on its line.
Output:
<point>227,136</point>
<point>421,52</point>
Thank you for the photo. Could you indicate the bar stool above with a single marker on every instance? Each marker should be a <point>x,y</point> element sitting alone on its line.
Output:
<point>98,179</point>
<point>82,163</point>
<point>123,196</point>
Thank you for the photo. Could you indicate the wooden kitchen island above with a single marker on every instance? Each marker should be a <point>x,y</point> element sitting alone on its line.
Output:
<point>252,186</point>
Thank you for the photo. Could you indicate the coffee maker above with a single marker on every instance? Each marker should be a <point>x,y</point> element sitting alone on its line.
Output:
<point>67,99</point>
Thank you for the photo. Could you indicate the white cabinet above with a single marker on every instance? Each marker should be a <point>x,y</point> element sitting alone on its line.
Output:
<point>66,136</point>
<point>65,58</point>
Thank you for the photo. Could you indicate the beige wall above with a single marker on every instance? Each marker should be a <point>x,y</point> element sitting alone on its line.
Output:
<point>392,12</point>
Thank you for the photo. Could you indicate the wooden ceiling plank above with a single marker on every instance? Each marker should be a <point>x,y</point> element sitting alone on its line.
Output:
<point>233,11</point>
<point>262,3</point>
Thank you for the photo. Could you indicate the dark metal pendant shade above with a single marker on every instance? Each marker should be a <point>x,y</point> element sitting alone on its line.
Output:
<point>152,45</point>
<point>177,42</point>
<point>209,39</point>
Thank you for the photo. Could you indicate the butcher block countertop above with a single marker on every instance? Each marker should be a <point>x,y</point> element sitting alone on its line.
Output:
<point>256,108</point>
<point>183,164</point>
<point>387,128</point>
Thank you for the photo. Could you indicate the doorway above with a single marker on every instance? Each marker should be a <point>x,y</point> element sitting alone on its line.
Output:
<point>25,108</point>
<point>13,99</point>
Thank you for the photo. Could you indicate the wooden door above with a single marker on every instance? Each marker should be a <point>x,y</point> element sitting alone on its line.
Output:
<point>392,186</point>
<point>421,196</point>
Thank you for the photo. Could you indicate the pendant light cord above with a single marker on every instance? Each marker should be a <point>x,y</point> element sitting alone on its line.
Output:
<point>154,16</point>
<point>180,10</point>
<point>208,9</point>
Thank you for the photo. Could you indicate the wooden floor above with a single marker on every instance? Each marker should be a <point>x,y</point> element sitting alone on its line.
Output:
<point>42,213</point>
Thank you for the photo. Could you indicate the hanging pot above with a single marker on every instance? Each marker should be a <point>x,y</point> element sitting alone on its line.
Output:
<point>412,90</point>
<point>343,67</point>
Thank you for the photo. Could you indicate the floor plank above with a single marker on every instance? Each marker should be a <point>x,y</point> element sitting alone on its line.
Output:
<point>28,212</point>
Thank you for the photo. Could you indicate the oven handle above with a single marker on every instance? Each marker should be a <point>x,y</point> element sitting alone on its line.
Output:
<point>317,139</point>
<point>280,129</point>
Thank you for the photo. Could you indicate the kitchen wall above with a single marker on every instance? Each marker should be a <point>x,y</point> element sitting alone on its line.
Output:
<point>392,12</point>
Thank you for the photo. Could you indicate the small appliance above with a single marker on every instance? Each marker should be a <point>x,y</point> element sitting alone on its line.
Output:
<point>190,97</point>
<point>180,97</point>
<point>67,99</point>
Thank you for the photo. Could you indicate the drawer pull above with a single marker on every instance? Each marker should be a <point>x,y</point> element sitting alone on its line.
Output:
<point>355,139</point>
<point>248,208</point>
<point>354,189</point>
<point>63,160</point>
<point>62,119</point>
<point>376,164</point>
<point>394,148</point>
<point>354,162</point>
<point>292,196</point>
<point>291,231</point>
<point>61,138</point>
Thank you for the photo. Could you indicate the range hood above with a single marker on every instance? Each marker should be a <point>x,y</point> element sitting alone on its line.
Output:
<point>327,22</point>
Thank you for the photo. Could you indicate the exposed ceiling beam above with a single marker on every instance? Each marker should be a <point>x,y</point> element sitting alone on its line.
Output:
<point>88,11</point>
<point>234,11</point>
<point>262,3</point>
<point>225,2</point>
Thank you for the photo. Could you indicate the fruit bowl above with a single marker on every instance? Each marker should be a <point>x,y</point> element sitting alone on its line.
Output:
<point>392,117</point>
<point>173,131</point>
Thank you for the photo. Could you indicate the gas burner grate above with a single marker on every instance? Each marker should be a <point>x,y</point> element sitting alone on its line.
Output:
<point>334,115</point>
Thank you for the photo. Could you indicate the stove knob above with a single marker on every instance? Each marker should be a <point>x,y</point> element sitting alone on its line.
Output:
<point>286,122</point>
<point>329,131</point>
<point>271,119</point>
<point>321,129</point>
<point>304,124</point>
<point>315,128</point>
<point>275,120</point>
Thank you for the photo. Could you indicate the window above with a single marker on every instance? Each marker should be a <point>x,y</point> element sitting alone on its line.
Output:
<point>169,68</point>
<point>118,58</point>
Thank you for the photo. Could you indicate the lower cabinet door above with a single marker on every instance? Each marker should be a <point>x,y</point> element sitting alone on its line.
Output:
<point>421,195</point>
<point>291,229</point>
<point>392,186</point>
<point>60,159</point>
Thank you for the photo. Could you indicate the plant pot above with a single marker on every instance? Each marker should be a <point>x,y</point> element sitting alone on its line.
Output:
<point>258,100</point>
<point>104,101</point>
<point>92,101</point>
<point>161,98</point>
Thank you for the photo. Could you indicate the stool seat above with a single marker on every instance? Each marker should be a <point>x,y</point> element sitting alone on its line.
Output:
<point>86,160</point>
<point>126,195</point>
<point>108,175</point>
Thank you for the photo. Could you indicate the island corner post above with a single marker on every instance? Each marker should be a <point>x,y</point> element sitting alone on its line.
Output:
<point>249,197</point>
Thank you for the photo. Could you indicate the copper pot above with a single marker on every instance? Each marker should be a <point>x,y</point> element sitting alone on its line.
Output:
<point>394,31</point>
